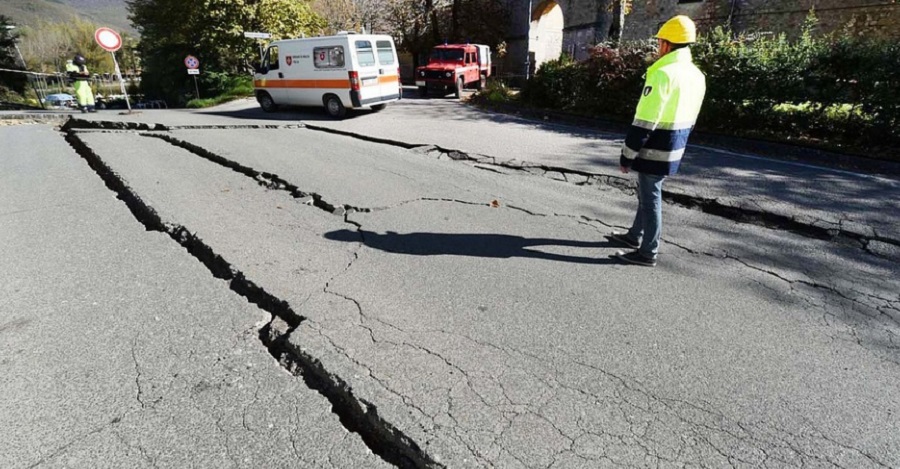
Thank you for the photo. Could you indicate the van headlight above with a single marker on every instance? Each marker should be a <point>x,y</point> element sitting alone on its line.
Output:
<point>448,74</point>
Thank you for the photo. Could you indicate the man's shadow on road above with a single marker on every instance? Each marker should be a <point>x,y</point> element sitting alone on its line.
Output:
<point>472,245</point>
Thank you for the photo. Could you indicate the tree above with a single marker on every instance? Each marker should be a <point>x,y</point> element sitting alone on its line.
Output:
<point>620,8</point>
<point>9,59</point>
<point>47,45</point>
<point>212,30</point>
<point>421,24</point>
<point>355,15</point>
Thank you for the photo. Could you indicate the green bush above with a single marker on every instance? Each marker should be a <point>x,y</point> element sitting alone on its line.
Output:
<point>558,84</point>
<point>833,90</point>
<point>218,83</point>
<point>224,87</point>
<point>495,91</point>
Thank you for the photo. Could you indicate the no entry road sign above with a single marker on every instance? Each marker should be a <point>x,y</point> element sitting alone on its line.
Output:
<point>108,39</point>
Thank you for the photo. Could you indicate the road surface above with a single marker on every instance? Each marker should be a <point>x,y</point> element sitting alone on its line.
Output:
<point>233,289</point>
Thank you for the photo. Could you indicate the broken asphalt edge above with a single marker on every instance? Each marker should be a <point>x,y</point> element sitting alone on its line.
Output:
<point>828,231</point>
<point>357,416</point>
<point>706,205</point>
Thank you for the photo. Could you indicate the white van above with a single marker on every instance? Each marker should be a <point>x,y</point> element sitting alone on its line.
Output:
<point>339,72</point>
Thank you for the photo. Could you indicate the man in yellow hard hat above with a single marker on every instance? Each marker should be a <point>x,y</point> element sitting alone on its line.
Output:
<point>665,116</point>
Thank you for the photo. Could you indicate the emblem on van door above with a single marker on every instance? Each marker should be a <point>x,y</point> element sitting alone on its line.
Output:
<point>289,60</point>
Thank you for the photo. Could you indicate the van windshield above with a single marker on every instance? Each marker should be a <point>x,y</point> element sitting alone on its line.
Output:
<point>447,55</point>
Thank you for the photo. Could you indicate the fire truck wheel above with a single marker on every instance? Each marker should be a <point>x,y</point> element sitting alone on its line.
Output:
<point>459,88</point>
<point>266,102</point>
<point>334,106</point>
<point>423,92</point>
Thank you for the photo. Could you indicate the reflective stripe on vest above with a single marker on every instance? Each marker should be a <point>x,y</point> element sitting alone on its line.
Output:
<point>665,116</point>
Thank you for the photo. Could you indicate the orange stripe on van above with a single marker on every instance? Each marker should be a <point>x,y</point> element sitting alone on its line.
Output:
<point>330,84</point>
<point>388,79</point>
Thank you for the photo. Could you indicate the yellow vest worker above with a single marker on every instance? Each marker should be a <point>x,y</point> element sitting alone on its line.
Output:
<point>79,73</point>
<point>669,104</point>
<point>666,114</point>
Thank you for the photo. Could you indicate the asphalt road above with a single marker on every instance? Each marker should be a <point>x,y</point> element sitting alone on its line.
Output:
<point>451,312</point>
<point>863,206</point>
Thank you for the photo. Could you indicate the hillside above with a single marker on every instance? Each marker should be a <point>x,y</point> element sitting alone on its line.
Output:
<point>110,13</point>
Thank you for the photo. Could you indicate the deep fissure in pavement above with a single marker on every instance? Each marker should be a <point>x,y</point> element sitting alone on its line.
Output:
<point>267,180</point>
<point>706,205</point>
<point>356,415</point>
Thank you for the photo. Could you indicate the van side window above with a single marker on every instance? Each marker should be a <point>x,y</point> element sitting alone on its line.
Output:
<point>385,53</point>
<point>329,57</point>
<point>365,54</point>
<point>272,56</point>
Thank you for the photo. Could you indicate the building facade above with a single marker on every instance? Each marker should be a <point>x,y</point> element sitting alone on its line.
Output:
<point>541,30</point>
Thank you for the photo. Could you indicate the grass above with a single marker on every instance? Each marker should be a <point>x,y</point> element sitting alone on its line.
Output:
<point>210,102</point>
<point>234,87</point>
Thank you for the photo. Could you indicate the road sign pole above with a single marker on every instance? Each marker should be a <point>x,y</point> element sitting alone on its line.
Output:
<point>121,81</point>
<point>196,88</point>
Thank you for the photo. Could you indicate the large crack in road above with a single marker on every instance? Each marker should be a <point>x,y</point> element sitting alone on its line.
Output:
<point>815,229</point>
<point>356,414</point>
<point>358,417</point>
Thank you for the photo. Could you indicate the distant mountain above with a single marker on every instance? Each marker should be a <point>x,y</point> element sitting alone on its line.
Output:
<point>111,13</point>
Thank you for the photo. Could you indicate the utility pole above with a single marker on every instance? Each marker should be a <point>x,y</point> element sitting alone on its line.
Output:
<point>37,94</point>
<point>528,45</point>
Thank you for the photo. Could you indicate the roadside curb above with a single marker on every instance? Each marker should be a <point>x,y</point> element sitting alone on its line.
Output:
<point>771,149</point>
<point>40,117</point>
<point>865,237</point>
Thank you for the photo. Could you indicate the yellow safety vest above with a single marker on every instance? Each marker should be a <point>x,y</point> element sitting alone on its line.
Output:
<point>665,116</point>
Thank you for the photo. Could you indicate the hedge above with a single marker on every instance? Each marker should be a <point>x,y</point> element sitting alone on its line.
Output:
<point>832,91</point>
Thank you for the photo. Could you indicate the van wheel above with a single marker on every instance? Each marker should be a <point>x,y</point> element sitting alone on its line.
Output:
<point>266,102</point>
<point>459,88</point>
<point>423,92</point>
<point>379,107</point>
<point>335,107</point>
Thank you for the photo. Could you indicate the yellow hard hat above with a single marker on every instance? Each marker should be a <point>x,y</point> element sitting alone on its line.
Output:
<point>678,30</point>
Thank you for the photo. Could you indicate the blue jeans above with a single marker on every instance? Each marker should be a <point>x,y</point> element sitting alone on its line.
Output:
<point>647,225</point>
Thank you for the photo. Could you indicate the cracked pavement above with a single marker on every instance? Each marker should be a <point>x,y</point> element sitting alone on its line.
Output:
<point>118,349</point>
<point>462,314</point>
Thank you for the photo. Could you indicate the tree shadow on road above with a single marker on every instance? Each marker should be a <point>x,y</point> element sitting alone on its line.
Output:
<point>471,245</point>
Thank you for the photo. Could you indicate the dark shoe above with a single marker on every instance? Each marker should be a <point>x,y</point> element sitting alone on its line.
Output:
<point>635,257</point>
<point>622,239</point>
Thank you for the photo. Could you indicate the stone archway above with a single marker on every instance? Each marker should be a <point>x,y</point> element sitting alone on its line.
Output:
<point>545,37</point>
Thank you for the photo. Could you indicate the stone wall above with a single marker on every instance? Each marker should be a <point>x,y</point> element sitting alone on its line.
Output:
<point>874,18</point>
<point>587,22</point>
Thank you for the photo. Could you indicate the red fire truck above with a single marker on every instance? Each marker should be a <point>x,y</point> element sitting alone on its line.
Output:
<point>454,67</point>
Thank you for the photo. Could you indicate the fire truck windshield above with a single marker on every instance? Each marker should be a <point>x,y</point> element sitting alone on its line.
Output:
<point>447,55</point>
